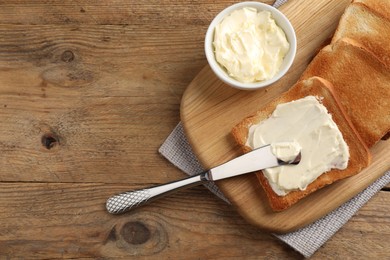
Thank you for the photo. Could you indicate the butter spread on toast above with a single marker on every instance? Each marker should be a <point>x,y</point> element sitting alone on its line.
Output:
<point>307,122</point>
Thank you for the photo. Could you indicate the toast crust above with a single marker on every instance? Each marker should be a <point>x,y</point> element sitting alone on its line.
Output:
<point>380,7</point>
<point>361,81</point>
<point>359,154</point>
<point>367,27</point>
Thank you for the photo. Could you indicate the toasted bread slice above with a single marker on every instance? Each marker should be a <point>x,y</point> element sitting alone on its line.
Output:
<point>362,84</point>
<point>382,7</point>
<point>366,27</point>
<point>359,154</point>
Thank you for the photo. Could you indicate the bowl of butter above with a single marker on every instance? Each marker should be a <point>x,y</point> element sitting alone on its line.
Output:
<point>250,45</point>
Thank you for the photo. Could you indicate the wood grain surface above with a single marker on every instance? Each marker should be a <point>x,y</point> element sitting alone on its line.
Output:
<point>89,90</point>
<point>210,104</point>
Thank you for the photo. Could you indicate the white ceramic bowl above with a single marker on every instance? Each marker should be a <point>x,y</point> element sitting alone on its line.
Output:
<point>281,21</point>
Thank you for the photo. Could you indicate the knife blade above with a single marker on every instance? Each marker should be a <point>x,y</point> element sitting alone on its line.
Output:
<point>258,159</point>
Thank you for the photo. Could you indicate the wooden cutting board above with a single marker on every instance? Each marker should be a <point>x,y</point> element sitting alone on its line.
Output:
<point>210,109</point>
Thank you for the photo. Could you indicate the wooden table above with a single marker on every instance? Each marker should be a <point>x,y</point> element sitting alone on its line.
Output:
<point>89,90</point>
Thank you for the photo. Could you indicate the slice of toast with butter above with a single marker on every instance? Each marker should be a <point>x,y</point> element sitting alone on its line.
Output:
<point>359,154</point>
<point>362,83</point>
<point>368,28</point>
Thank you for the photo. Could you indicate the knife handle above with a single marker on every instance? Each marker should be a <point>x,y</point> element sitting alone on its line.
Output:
<point>129,200</point>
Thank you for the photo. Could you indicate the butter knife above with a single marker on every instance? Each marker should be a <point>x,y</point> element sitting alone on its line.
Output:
<point>258,159</point>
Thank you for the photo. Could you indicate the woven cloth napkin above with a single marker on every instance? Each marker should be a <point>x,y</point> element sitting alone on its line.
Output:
<point>306,240</point>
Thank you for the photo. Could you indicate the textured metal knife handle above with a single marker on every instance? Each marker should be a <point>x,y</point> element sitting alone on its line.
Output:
<point>128,200</point>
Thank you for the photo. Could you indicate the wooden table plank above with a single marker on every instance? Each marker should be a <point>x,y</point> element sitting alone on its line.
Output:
<point>365,236</point>
<point>106,103</point>
<point>62,220</point>
<point>114,12</point>
<point>105,80</point>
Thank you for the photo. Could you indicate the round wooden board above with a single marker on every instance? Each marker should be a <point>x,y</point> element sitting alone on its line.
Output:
<point>210,109</point>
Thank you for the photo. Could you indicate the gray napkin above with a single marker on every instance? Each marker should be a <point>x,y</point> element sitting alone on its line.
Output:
<point>306,240</point>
